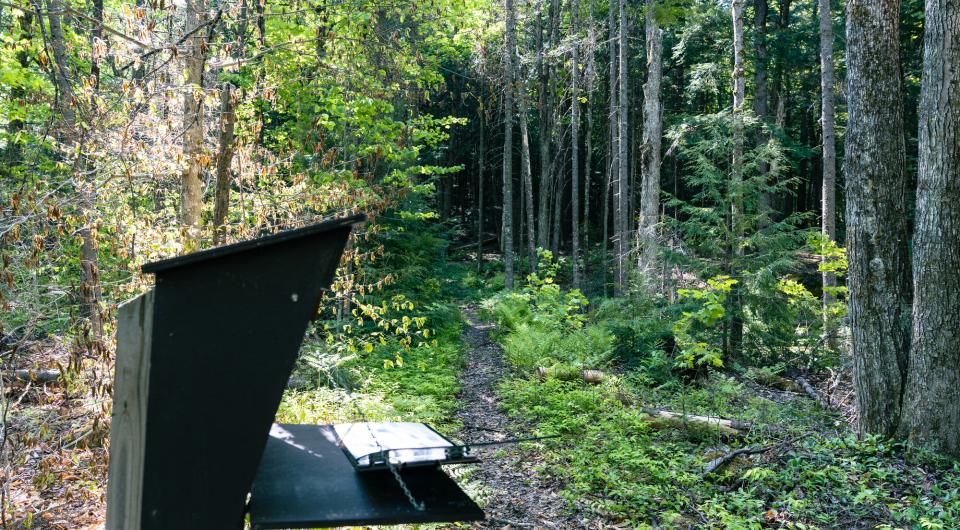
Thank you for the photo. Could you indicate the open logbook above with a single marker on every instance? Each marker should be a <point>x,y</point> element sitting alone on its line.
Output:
<point>378,445</point>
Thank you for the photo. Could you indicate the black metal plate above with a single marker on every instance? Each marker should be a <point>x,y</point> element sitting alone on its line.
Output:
<point>305,481</point>
<point>227,326</point>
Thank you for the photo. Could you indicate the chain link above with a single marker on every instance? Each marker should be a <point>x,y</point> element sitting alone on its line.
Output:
<point>418,505</point>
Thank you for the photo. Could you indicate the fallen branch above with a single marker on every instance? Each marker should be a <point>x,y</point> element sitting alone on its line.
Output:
<point>34,376</point>
<point>813,393</point>
<point>725,458</point>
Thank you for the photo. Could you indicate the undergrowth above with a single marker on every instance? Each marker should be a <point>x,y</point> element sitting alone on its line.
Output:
<point>634,470</point>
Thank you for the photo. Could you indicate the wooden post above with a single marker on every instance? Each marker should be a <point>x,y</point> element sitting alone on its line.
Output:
<point>128,428</point>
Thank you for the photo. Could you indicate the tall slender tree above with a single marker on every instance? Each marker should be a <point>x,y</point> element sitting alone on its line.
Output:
<point>828,223</point>
<point>525,175</point>
<point>481,167</point>
<point>191,187</point>
<point>509,51</point>
<point>575,142</point>
<point>543,110</point>
<point>613,165</point>
<point>590,74</point>
<point>73,140</point>
<point>622,203</point>
<point>876,213</point>
<point>735,331</point>
<point>228,119</point>
<point>931,416</point>
<point>652,137</point>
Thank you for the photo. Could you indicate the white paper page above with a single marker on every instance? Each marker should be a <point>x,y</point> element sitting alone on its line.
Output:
<point>408,442</point>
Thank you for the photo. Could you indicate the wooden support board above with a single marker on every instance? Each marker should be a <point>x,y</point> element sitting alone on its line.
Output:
<point>129,421</point>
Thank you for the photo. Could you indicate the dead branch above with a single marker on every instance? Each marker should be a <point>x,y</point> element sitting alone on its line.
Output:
<point>33,376</point>
<point>725,458</point>
<point>813,393</point>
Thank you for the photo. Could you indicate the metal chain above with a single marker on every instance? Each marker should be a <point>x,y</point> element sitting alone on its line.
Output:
<point>418,505</point>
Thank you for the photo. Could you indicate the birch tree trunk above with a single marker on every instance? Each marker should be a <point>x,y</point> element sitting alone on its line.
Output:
<point>575,144</point>
<point>623,180</point>
<point>191,199</point>
<point>828,226</point>
<point>652,137</point>
<point>876,213</point>
<point>509,50</point>
<point>931,415</point>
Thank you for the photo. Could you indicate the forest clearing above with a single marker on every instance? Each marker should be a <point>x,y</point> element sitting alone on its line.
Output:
<point>631,264</point>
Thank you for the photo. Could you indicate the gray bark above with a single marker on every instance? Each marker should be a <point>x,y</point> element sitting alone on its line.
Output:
<point>623,179</point>
<point>481,167</point>
<point>828,225</point>
<point>876,213</point>
<point>575,144</point>
<point>735,331</point>
<point>509,50</point>
<point>526,177</point>
<point>590,74</point>
<point>931,415</point>
<point>652,138</point>
<point>761,96</point>
<point>543,106</point>
<point>613,168</point>
<point>191,199</point>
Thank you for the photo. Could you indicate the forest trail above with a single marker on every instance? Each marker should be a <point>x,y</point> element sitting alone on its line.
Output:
<point>515,494</point>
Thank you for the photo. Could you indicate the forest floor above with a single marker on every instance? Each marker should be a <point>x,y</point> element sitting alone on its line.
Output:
<point>514,493</point>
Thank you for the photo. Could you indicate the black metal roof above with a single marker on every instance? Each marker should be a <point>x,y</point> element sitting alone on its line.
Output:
<point>243,246</point>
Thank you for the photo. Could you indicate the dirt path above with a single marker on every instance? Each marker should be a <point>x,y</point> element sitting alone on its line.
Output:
<point>514,493</point>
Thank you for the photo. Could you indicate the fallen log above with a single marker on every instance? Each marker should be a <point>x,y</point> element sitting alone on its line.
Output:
<point>568,373</point>
<point>34,376</point>
<point>813,393</point>
<point>734,425</point>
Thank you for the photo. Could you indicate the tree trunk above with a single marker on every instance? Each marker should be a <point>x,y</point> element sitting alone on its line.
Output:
<point>481,166</point>
<point>623,180</point>
<point>191,199</point>
<point>509,50</point>
<point>543,222</point>
<point>590,74</point>
<point>828,226</point>
<point>228,119</point>
<point>575,144</point>
<point>876,216</point>
<point>761,97</point>
<point>734,306</point>
<point>931,416</point>
<point>527,177</point>
<point>613,168</point>
<point>652,137</point>
<point>90,291</point>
